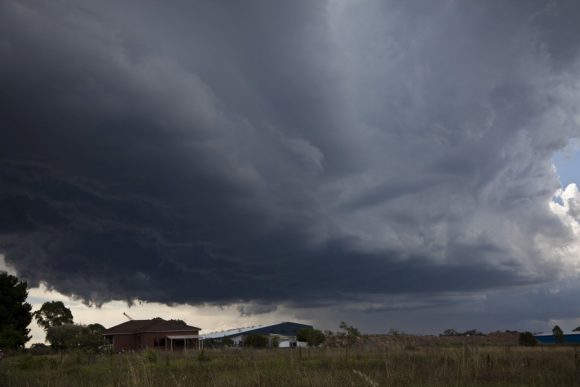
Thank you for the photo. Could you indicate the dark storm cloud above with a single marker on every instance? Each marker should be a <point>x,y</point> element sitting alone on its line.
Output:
<point>301,152</point>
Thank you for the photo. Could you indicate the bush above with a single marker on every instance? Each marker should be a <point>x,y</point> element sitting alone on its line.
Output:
<point>558,334</point>
<point>73,336</point>
<point>312,336</point>
<point>28,362</point>
<point>202,357</point>
<point>256,341</point>
<point>39,349</point>
<point>150,356</point>
<point>527,339</point>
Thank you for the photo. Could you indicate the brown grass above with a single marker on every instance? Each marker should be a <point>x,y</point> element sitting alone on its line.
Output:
<point>392,365</point>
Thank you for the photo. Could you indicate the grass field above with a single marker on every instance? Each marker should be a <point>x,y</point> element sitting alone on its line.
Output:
<point>463,365</point>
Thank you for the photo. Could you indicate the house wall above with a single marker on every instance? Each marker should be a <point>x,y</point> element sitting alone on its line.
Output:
<point>146,340</point>
<point>123,342</point>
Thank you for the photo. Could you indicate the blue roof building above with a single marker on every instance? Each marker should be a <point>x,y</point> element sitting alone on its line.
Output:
<point>548,338</point>
<point>285,329</point>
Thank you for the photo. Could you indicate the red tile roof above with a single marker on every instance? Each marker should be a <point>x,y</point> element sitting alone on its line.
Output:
<point>154,325</point>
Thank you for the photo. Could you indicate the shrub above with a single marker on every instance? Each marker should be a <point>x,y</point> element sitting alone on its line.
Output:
<point>256,341</point>
<point>28,362</point>
<point>558,334</point>
<point>313,337</point>
<point>202,357</point>
<point>150,356</point>
<point>527,339</point>
<point>349,333</point>
<point>73,336</point>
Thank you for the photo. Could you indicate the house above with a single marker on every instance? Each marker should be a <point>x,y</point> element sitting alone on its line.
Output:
<point>548,338</point>
<point>155,334</point>
<point>286,332</point>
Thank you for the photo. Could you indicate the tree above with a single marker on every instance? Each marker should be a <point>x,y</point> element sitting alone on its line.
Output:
<point>351,333</point>
<point>74,336</point>
<point>53,314</point>
<point>256,341</point>
<point>312,336</point>
<point>527,339</point>
<point>14,312</point>
<point>558,334</point>
<point>96,328</point>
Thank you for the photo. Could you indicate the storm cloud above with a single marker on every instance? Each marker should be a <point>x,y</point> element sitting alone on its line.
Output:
<point>304,152</point>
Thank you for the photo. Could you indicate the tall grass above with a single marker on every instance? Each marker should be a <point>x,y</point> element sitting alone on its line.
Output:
<point>389,366</point>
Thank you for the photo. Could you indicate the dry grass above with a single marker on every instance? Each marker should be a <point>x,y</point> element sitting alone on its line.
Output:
<point>393,365</point>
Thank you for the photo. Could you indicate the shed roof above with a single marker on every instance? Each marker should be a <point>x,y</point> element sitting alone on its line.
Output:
<point>244,330</point>
<point>551,334</point>
<point>154,325</point>
<point>231,332</point>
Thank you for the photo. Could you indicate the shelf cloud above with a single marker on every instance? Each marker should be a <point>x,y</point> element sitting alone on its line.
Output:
<point>306,153</point>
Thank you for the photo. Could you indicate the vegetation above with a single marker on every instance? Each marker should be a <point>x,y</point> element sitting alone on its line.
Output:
<point>558,334</point>
<point>393,365</point>
<point>53,314</point>
<point>14,312</point>
<point>453,332</point>
<point>96,328</point>
<point>73,336</point>
<point>527,339</point>
<point>312,336</point>
<point>256,341</point>
<point>350,333</point>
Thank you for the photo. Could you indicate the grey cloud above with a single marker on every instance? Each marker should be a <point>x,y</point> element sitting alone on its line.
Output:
<point>300,153</point>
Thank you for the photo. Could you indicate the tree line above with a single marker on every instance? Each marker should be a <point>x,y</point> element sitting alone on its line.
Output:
<point>53,316</point>
<point>62,333</point>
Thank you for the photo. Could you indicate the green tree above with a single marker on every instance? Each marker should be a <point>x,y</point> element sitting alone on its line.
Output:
<point>74,336</point>
<point>96,328</point>
<point>313,337</point>
<point>53,314</point>
<point>558,334</point>
<point>350,333</point>
<point>527,339</point>
<point>14,312</point>
<point>256,341</point>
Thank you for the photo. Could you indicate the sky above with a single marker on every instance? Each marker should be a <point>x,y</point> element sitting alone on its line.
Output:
<point>394,164</point>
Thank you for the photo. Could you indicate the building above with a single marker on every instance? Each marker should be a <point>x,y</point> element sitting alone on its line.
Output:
<point>157,333</point>
<point>285,331</point>
<point>548,338</point>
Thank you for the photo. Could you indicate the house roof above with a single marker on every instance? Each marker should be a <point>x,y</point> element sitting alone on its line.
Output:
<point>154,325</point>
